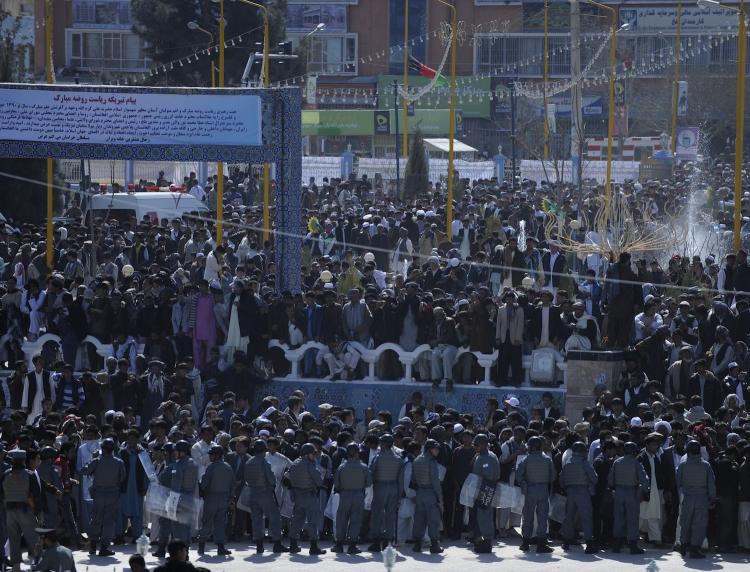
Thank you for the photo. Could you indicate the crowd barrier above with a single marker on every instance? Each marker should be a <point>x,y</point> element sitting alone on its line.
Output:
<point>545,171</point>
<point>407,358</point>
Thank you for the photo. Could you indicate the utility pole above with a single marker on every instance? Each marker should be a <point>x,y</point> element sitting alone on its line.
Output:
<point>576,104</point>
<point>513,133</point>
<point>398,153</point>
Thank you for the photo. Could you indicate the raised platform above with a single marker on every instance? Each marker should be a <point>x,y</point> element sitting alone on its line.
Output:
<point>391,395</point>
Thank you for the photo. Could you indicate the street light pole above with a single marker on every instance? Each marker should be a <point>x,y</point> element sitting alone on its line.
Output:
<point>611,113</point>
<point>48,32</point>
<point>675,94</point>
<point>452,122</point>
<point>740,111</point>
<point>544,86</point>
<point>398,155</point>
<point>266,81</point>
<point>220,164</point>
<point>195,26</point>
<point>405,110</point>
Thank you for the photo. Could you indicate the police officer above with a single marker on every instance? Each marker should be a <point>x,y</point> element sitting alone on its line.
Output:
<point>350,481</point>
<point>487,467</point>
<point>108,472</point>
<point>304,479</point>
<point>183,480</point>
<point>165,479</point>
<point>19,490</point>
<point>54,556</point>
<point>697,485</point>
<point>535,474</point>
<point>53,490</point>
<point>216,489</point>
<point>578,479</point>
<point>387,487</point>
<point>429,500</point>
<point>628,479</point>
<point>259,478</point>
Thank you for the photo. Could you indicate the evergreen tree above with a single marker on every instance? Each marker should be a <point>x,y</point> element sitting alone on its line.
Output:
<point>20,199</point>
<point>164,25</point>
<point>416,177</point>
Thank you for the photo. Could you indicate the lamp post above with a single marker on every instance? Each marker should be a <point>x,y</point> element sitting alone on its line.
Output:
<point>740,112</point>
<point>611,89</point>
<point>675,94</point>
<point>266,76</point>
<point>48,34</point>
<point>405,103</point>
<point>544,86</point>
<point>196,27</point>
<point>452,122</point>
<point>220,164</point>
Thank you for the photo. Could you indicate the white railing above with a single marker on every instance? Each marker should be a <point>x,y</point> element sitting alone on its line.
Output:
<point>407,358</point>
<point>31,348</point>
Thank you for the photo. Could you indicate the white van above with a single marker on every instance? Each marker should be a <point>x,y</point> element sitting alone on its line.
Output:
<point>155,205</point>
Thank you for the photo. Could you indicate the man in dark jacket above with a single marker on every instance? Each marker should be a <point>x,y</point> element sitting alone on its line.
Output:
<point>705,384</point>
<point>133,489</point>
<point>621,297</point>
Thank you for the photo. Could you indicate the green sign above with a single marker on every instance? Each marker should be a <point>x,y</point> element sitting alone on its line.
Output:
<point>338,122</point>
<point>472,95</point>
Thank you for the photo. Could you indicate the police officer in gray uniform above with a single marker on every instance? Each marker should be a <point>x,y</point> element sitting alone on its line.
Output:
<point>263,503</point>
<point>304,479</point>
<point>19,490</point>
<point>48,474</point>
<point>429,500</point>
<point>697,485</point>
<point>183,480</point>
<point>108,472</point>
<point>387,488</point>
<point>486,467</point>
<point>165,525</point>
<point>216,489</point>
<point>54,556</point>
<point>628,479</point>
<point>578,480</point>
<point>350,481</point>
<point>535,474</point>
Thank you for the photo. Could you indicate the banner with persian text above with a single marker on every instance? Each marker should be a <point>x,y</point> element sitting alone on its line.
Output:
<point>118,118</point>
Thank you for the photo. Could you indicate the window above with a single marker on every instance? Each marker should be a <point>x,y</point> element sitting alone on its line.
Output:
<point>101,13</point>
<point>105,50</point>
<point>333,55</point>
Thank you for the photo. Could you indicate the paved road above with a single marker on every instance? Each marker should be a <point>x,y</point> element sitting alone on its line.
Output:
<point>456,558</point>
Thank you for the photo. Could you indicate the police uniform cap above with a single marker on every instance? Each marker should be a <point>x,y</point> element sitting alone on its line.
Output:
<point>108,444</point>
<point>48,453</point>
<point>182,446</point>
<point>480,440</point>
<point>17,454</point>
<point>630,448</point>
<point>352,448</point>
<point>216,450</point>
<point>260,446</point>
<point>168,447</point>
<point>431,444</point>
<point>693,448</point>
<point>386,439</point>
<point>307,449</point>
<point>535,444</point>
<point>579,448</point>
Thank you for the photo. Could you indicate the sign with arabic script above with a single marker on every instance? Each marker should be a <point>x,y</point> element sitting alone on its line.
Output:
<point>83,116</point>
<point>664,19</point>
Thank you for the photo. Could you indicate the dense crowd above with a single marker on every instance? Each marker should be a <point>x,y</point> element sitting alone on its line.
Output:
<point>177,404</point>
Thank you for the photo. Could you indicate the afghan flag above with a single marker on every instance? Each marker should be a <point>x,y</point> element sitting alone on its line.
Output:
<point>426,71</point>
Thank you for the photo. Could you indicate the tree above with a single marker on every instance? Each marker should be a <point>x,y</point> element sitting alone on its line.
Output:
<point>417,175</point>
<point>163,24</point>
<point>20,198</point>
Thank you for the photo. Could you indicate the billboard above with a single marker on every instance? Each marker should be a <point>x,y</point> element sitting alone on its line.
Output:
<point>306,17</point>
<point>688,139</point>
<point>98,116</point>
<point>664,19</point>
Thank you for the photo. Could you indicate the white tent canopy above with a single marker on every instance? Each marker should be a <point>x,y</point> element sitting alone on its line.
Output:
<point>442,144</point>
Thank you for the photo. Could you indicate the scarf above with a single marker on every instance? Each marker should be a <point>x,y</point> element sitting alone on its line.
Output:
<point>156,383</point>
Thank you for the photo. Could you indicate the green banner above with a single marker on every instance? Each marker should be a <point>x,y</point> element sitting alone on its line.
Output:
<point>338,122</point>
<point>472,95</point>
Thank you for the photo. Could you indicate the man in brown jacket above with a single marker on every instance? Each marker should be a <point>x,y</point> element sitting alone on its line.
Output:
<point>508,340</point>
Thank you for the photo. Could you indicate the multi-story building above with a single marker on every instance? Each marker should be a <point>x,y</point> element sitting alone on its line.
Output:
<point>21,11</point>
<point>92,37</point>
<point>358,55</point>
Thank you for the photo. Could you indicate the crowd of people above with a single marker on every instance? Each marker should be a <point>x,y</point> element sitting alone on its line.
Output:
<point>661,453</point>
